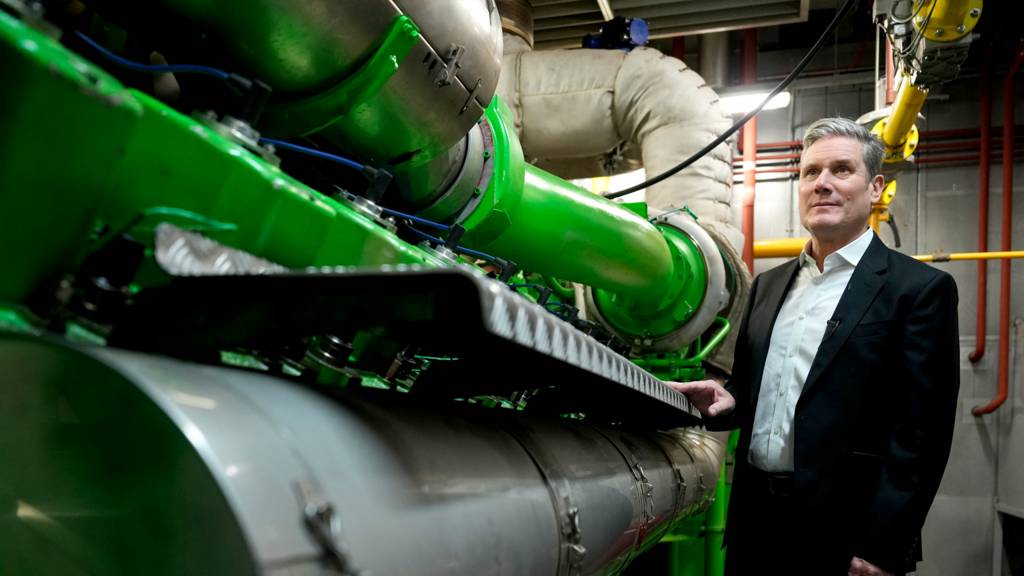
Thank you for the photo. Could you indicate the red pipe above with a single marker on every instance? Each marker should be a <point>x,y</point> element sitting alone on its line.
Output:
<point>749,151</point>
<point>925,135</point>
<point>1017,155</point>
<point>985,123</point>
<point>958,145</point>
<point>1004,268</point>
<point>927,159</point>
<point>782,144</point>
<point>951,133</point>
<point>965,144</point>
<point>954,133</point>
<point>776,157</point>
<point>679,48</point>
<point>890,73</point>
<point>951,159</point>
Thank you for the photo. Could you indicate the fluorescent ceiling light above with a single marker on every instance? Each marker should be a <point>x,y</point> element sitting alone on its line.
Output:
<point>741,103</point>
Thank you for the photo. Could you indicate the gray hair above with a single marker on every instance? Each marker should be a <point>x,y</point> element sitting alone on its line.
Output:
<point>874,151</point>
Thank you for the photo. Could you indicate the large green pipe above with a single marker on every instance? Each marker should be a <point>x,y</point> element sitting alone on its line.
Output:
<point>562,230</point>
<point>548,225</point>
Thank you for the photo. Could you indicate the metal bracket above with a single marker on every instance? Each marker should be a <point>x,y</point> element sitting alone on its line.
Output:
<point>571,530</point>
<point>644,487</point>
<point>452,62</point>
<point>572,551</point>
<point>472,95</point>
<point>324,526</point>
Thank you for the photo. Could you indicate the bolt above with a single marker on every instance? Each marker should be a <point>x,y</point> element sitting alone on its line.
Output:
<point>939,31</point>
<point>961,29</point>
<point>975,12</point>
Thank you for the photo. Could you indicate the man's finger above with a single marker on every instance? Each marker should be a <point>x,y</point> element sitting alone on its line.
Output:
<point>684,387</point>
<point>721,406</point>
<point>688,387</point>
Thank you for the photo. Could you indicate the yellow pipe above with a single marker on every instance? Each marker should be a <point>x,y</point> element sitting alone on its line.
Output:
<point>791,247</point>
<point>898,126</point>
<point>947,20</point>
<point>970,256</point>
<point>779,248</point>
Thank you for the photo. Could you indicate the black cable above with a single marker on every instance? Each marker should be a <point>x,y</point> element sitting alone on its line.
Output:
<point>746,117</point>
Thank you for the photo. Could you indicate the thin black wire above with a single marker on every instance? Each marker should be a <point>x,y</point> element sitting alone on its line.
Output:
<point>911,48</point>
<point>746,117</point>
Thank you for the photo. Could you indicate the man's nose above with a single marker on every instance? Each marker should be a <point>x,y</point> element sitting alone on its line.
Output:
<point>823,183</point>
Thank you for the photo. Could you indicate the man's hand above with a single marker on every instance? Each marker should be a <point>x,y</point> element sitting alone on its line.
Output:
<point>710,397</point>
<point>859,567</point>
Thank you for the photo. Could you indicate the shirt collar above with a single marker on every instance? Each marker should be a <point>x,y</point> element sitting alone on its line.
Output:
<point>851,253</point>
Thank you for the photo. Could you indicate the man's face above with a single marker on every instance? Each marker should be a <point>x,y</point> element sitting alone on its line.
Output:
<point>836,192</point>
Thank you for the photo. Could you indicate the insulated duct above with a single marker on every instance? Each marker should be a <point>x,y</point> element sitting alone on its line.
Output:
<point>167,467</point>
<point>584,113</point>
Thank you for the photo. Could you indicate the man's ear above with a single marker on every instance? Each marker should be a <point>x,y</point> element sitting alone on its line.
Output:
<point>877,185</point>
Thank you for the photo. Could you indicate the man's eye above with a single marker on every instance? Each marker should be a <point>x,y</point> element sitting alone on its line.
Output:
<point>842,170</point>
<point>810,172</point>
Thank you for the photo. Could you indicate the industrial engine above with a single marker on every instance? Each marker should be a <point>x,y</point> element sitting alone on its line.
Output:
<point>292,287</point>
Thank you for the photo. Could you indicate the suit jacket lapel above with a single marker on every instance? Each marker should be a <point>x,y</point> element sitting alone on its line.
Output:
<point>774,295</point>
<point>867,280</point>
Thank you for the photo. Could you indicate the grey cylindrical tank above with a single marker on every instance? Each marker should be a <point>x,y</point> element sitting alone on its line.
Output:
<point>123,463</point>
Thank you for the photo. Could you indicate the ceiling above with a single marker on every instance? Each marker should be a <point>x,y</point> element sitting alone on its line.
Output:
<point>563,23</point>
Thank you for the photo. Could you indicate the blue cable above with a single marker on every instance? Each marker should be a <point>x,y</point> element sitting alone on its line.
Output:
<point>462,249</point>
<point>416,219</point>
<point>314,152</point>
<point>154,68</point>
<point>537,287</point>
<point>478,254</point>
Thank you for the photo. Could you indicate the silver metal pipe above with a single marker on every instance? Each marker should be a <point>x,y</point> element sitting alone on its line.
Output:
<point>305,48</point>
<point>136,462</point>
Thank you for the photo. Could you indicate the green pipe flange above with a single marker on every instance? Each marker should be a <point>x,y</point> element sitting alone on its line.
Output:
<point>689,278</point>
<point>699,292</point>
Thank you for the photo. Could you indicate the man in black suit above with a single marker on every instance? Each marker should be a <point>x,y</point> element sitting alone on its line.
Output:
<point>844,385</point>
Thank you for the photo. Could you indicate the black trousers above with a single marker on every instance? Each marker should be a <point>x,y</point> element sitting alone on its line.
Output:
<point>773,536</point>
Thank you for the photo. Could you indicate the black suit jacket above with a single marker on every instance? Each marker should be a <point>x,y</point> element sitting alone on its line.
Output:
<point>874,423</point>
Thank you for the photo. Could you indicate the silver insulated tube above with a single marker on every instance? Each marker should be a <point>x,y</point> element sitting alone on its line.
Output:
<point>123,463</point>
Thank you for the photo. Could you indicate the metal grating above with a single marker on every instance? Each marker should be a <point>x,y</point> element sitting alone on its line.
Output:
<point>564,23</point>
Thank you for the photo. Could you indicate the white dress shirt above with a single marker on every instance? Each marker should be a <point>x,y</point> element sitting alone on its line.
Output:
<point>798,332</point>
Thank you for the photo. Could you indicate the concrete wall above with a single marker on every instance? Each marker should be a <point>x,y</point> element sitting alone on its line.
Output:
<point>936,210</point>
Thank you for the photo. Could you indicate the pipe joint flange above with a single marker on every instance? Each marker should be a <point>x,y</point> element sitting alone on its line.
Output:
<point>460,190</point>
<point>902,151</point>
<point>643,510</point>
<point>572,552</point>
<point>700,292</point>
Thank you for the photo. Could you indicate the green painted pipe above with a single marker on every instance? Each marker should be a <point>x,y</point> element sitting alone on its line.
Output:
<point>717,514</point>
<point>548,225</point>
<point>560,229</point>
